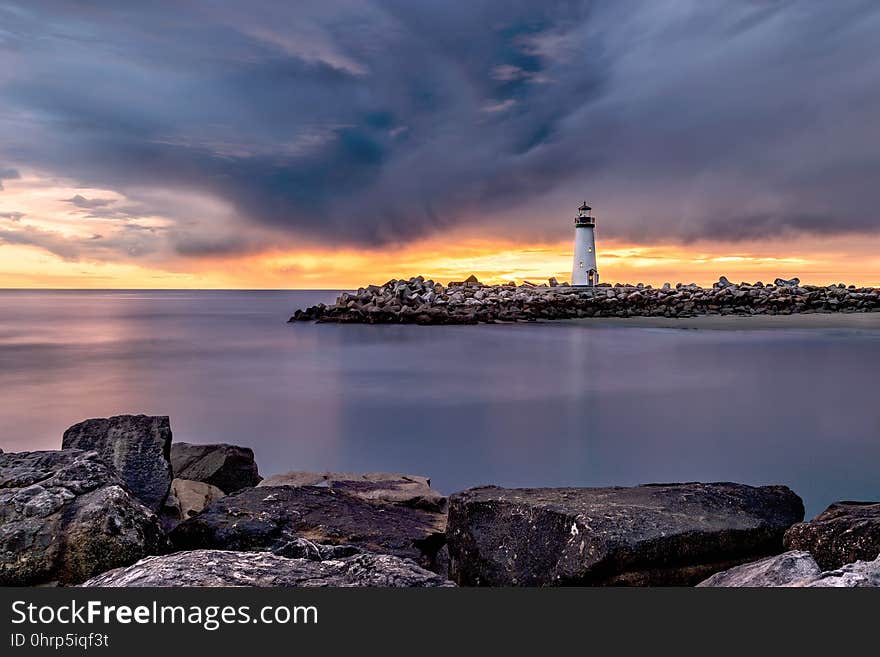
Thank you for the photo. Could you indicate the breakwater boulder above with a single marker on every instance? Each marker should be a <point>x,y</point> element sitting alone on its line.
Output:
<point>403,489</point>
<point>797,569</point>
<point>860,574</point>
<point>186,499</point>
<point>228,467</point>
<point>231,568</point>
<point>421,301</point>
<point>137,446</point>
<point>845,532</point>
<point>271,517</point>
<point>657,534</point>
<point>780,570</point>
<point>66,516</point>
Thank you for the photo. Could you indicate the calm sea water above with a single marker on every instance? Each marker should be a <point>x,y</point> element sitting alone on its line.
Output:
<point>522,405</point>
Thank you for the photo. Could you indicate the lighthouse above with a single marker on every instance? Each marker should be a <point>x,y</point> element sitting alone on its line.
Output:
<point>585,271</point>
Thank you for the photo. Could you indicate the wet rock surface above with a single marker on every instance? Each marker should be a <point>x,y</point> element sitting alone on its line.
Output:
<point>658,534</point>
<point>235,568</point>
<point>403,489</point>
<point>420,301</point>
<point>67,515</point>
<point>228,467</point>
<point>845,532</point>
<point>270,517</point>
<point>137,446</point>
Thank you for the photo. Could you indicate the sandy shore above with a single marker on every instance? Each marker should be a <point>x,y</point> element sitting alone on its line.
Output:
<point>849,321</point>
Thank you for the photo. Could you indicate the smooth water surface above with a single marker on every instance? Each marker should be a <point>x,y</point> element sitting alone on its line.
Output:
<point>518,405</point>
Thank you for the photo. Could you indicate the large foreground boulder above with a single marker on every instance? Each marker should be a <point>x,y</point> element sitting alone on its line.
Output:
<point>269,517</point>
<point>797,569</point>
<point>65,516</point>
<point>658,534</point>
<point>229,568</point>
<point>228,467</point>
<point>403,489</point>
<point>138,446</point>
<point>845,532</point>
<point>780,570</point>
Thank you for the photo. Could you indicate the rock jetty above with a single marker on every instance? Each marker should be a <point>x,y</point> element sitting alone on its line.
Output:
<point>420,301</point>
<point>84,514</point>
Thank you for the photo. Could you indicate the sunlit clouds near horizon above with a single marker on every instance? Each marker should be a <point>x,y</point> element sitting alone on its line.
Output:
<point>333,144</point>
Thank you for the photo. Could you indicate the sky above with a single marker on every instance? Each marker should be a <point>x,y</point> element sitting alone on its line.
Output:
<point>335,143</point>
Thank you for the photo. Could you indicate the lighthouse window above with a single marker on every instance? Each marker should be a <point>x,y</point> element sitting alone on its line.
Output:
<point>590,249</point>
<point>581,264</point>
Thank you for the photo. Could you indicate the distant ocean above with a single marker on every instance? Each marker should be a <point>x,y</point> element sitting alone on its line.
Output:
<point>516,405</point>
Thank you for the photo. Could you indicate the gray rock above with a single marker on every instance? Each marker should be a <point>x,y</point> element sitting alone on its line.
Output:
<point>792,282</point>
<point>845,532</point>
<point>186,499</point>
<point>797,569</point>
<point>854,575</point>
<point>228,467</point>
<point>65,516</point>
<point>403,489</point>
<point>658,534</point>
<point>137,446</point>
<point>269,517</point>
<point>229,568</point>
<point>780,570</point>
<point>302,548</point>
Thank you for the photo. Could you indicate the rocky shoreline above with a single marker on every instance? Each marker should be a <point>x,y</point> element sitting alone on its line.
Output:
<point>421,301</point>
<point>121,504</point>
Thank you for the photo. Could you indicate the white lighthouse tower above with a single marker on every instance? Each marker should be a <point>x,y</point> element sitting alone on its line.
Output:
<point>585,271</point>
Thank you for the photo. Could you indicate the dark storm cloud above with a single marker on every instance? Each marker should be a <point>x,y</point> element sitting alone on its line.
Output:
<point>375,122</point>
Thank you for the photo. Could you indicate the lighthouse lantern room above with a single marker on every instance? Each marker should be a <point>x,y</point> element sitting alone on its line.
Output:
<point>585,271</point>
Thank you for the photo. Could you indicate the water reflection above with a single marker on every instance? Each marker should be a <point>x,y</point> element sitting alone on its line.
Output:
<point>554,404</point>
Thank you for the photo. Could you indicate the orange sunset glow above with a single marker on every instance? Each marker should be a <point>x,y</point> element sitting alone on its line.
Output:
<point>56,239</point>
<point>28,266</point>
